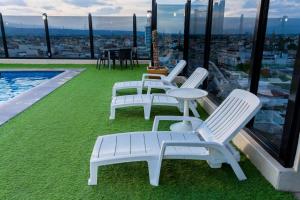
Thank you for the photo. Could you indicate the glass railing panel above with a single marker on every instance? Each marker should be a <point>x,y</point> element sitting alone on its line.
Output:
<point>197,36</point>
<point>170,27</point>
<point>280,50</point>
<point>112,32</point>
<point>69,36</point>
<point>143,38</point>
<point>25,36</point>
<point>231,46</point>
<point>2,53</point>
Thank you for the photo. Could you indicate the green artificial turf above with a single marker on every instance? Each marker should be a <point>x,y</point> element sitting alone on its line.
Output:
<point>45,151</point>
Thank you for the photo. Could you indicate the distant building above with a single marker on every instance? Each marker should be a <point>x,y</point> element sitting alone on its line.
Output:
<point>242,24</point>
<point>198,15</point>
<point>218,17</point>
<point>148,34</point>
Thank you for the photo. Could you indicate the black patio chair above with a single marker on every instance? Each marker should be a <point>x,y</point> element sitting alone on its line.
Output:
<point>102,58</point>
<point>135,56</point>
<point>125,55</point>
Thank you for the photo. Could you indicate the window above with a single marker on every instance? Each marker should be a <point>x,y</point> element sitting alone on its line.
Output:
<point>143,37</point>
<point>112,32</point>
<point>231,46</point>
<point>2,53</point>
<point>197,36</point>
<point>25,36</point>
<point>278,62</point>
<point>69,36</point>
<point>170,27</point>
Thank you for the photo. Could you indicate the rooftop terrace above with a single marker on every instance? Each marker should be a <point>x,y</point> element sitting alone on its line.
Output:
<point>46,150</point>
<point>248,45</point>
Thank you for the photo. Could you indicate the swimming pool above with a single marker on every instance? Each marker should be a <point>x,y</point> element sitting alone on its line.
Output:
<point>14,83</point>
<point>20,89</point>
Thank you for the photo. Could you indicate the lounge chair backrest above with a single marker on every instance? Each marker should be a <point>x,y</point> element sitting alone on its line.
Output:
<point>177,70</point>
<point>231,116</point>
<point>196,79</point>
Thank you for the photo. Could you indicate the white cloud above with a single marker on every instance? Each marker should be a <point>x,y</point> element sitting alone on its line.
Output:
<point>75,7</point>
<point>87,3</point>
<point>109,10</point>
<point>128,7</point>
<point>12,2</point>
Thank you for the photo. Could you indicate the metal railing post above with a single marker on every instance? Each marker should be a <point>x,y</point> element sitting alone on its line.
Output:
<point>186,42</point>
<point>290,137</point>
<point>258,47</point>
<point>208,34</point>
<point>45,18</point>
<point>258,44</point>
<point>153,25</point>
<point>3,36</point>
<point>91,36</point>
<point>134,33</point>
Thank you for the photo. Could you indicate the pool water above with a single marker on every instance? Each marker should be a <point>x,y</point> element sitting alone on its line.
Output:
<point>13,83</point>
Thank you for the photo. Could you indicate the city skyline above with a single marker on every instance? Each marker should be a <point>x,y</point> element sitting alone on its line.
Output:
<point>128,7</point>
<point>173,25</point>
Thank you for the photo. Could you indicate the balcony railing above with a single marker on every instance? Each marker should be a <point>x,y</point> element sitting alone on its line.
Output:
<point>255,50</point>
<point>71,37</point>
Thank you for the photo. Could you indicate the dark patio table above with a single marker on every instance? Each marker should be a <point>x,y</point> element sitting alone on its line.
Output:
<point>114,53</point>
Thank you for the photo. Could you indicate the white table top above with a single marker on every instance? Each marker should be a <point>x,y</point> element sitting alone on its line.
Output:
<point>187,93</point>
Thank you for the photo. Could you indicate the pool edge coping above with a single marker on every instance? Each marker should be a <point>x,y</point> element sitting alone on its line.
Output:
<point>20,103</point>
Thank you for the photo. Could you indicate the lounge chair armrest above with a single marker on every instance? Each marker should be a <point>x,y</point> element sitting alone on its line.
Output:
<point>164,87</point>
<point>154,80</point>
<point>149,79</point>
<point>210,145</point>
<point>153,75</point>
<point>179,143</point>
<point>157,120</point>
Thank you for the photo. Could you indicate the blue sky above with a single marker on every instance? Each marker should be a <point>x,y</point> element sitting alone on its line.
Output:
<point>128,7</point>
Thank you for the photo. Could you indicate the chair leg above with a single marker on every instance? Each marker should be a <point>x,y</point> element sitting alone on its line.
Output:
<point>97,65</point>
<point>216,159</point>
<point>112,113</point>
<point>154,171</point>
<point>194,110</point>
<point>147,112</point>
<point>139,90</point>
<point>102,63</point>
<point>180,106</point>
<point>234,152</point>
<point>230,159</point>
<point>114,92</point>
<point>214,165</point>
<point>93,174</point>
<point>236,168</point>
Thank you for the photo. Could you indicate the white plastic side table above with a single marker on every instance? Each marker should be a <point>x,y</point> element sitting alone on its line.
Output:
<point>185,94</point>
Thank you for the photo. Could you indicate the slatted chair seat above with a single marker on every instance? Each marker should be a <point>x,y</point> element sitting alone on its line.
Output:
<point>144,99</point>
<point>143,145</point>
<point>210,140</point>
<point>148,81</point>
<point>147,100</point>
<point>138,84</point>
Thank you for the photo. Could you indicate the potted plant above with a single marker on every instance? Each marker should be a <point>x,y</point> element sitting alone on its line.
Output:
<point>156,68</point>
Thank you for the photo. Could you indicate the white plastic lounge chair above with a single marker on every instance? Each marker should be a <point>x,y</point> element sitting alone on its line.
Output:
<point>148,82</point>
<point>210,141</point>
<point>147,100</point>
